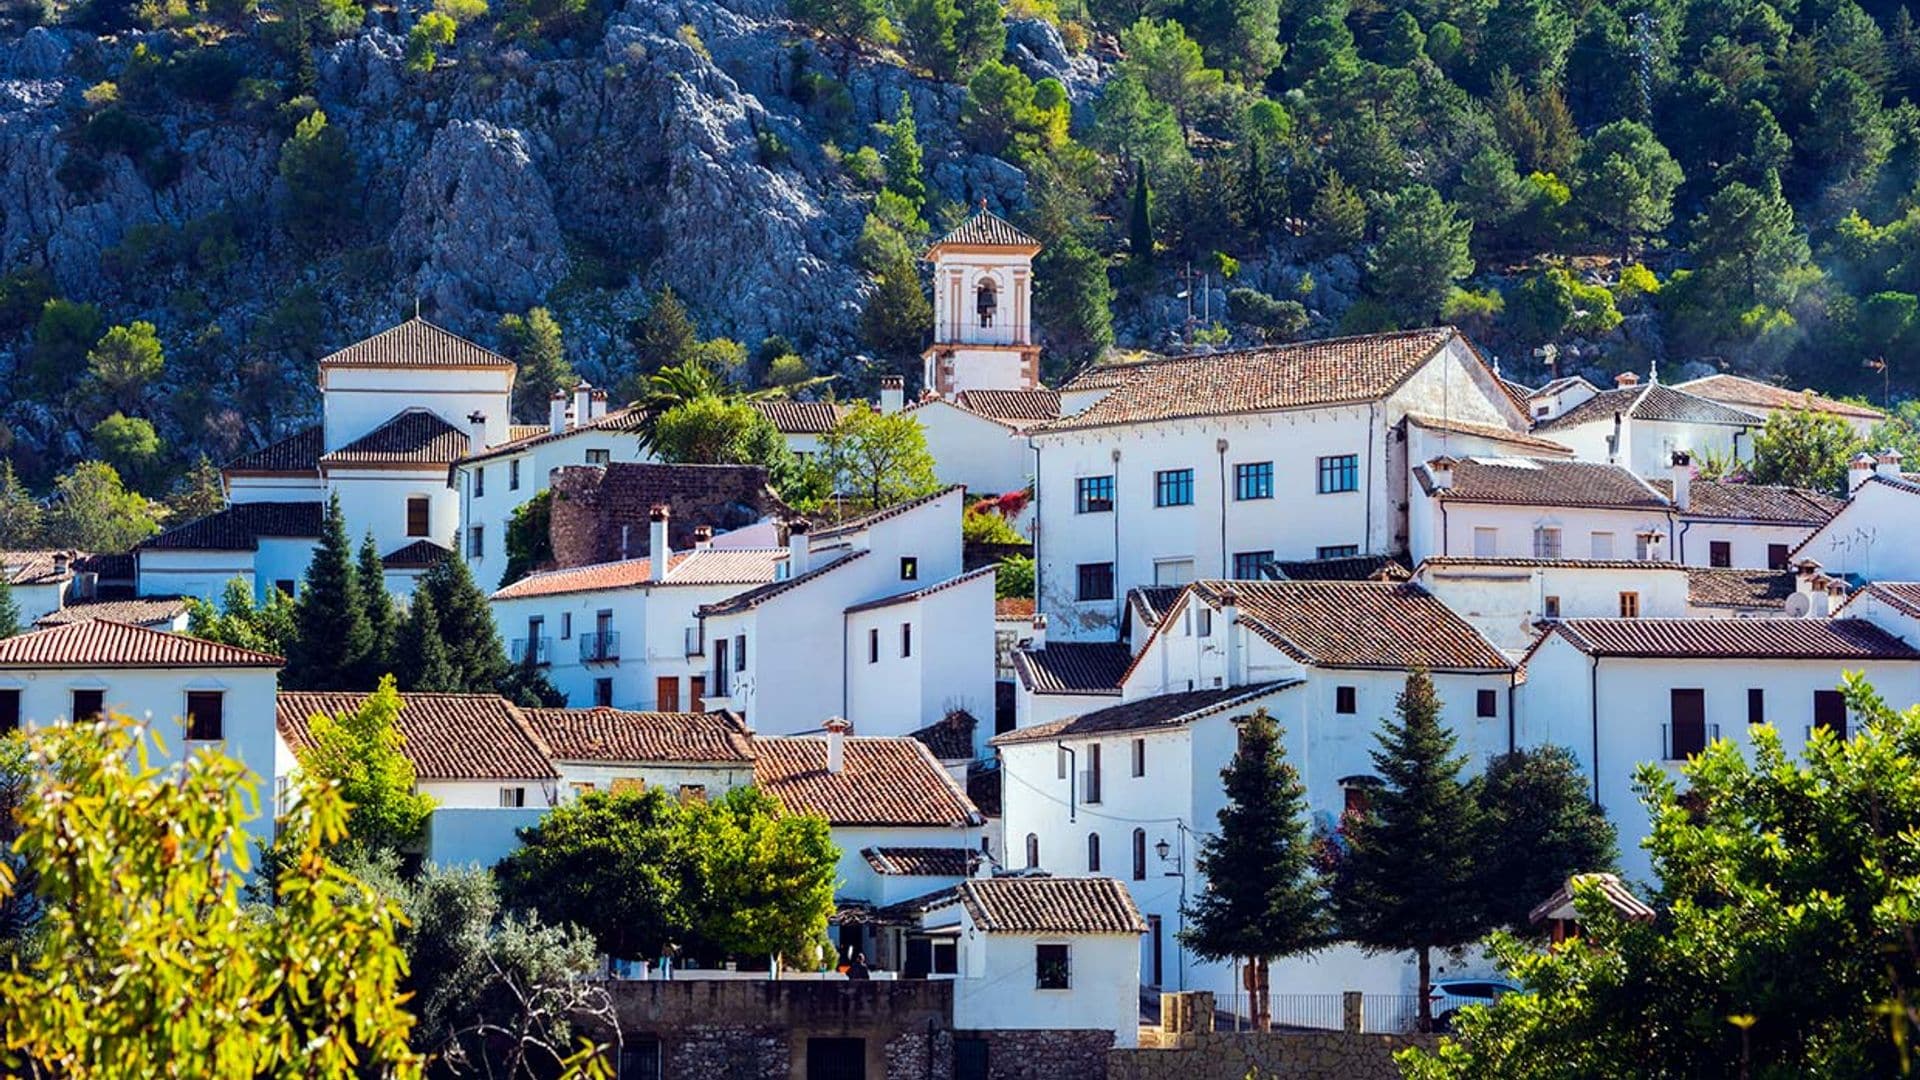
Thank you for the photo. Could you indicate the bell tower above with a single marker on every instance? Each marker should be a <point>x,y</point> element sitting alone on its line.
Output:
<point>982,308</point>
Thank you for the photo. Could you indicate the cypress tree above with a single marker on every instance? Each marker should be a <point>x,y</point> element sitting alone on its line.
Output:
<point>904,166</point>
<point>1263,899</point>
<point>1140,227</point>
<point>1410,880</point>
<point>331,636</point>
<point>377,605</point>
<point>421,651</point>
<point>9,609</point>
<point>474,652</point>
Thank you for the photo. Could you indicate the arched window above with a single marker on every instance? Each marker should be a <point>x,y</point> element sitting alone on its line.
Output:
<point>1139,854</point>
<point>986,299</point>
<point>1033,852</point>
<point>1093,853</point>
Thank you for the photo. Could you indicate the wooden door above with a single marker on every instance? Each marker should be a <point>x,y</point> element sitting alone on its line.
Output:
<point>666,693</point>
<point>697,693</point>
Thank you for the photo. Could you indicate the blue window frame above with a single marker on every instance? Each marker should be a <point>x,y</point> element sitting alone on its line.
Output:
<point>1253,480</point>
<point>1337,551</point>
<point>1093,494</point>
<point>1173,487</point>
<point>1251,565</point>
<point>1340,472</point>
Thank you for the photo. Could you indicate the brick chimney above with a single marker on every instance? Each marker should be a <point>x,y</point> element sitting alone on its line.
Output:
<point>557,411</point>
<point>476,432</point>
<point>1681,470</point>
<point>658,549</point>
<point>1626,379</point>
<point>1887,463</point>
<point>893,393</point>
<point>837,729</point>
<point>799,556</point>
<point>1859,471</point>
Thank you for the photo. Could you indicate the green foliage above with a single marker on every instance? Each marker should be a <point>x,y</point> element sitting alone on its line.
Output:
<point>474,653</point>
<point>1140,219</point>
<point>146,956</point>
<point>125,361</point>
<point>877,458</point>
<point>1073,300</point>
<point>533,342</point>
<point>1552,303</point>
<point>927,30</point>
<point>329,650</point>
<point>898,316</point>
<point>22,521</point>
<point>665,336</point>
<point>1173,69</point>
<point>9,609</point>
<point>904,168</point>
<point>92,510</point>
<point>1013,580</point>
<point>1276,320</point>
<point>462,12</point>
<point>1746,245</point>
<point>422,664</point>
<point>1421,253</point>
<point>129,444</point>
<point>999,110</point>
<point>766,877</point>
<point>1339,216</point>
<point>23,295</point>
<point>529,538</point>
<point>65,333</point>
<point>847,20</point>
<point>316,168</point>
<point>430,33</point>
<point>1803,448</point>
<point>199,493</point>
<point>1627,181</point>
<point>376,605</point>
<point>1538,826</point>
<point>359,754</point>
<point>978,526</point>
<point>235,620</point>
<point>1138,128</point>
<point>715,431</point>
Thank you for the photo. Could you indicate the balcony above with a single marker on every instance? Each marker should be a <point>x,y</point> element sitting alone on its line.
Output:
<point>600,648</point>
<point>696,640</point>
<point>1685,741</point>
<point>537,651</point>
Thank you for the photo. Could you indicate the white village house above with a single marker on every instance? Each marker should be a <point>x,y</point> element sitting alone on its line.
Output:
<point>1640,425</point>
<point>1764,399</point>
<point>1871,536</point>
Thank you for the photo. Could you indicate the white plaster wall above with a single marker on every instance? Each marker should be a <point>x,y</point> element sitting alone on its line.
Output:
<point>282,488</point>
<point>1749,542</point>
<point>485,794</point>
<point>194,573</point>
<point>357,400</point>
<point>459,836</point>
<point>1503,602</point>
<point>971,450</point>
<point>376,499</point>
<point>957,276</point>
<point>1654,441</point>
<point>34,601</point>
<point>1030,709</point>
<point>951,666</point>
<point>1514,526</point>
<point>996,985</point>
<point>1872,537</point>
<point>857,881</point>
<point>282,559</point>
<point>670,776</point>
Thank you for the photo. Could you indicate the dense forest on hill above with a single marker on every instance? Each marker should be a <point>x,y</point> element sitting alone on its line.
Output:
<point>201,197</point>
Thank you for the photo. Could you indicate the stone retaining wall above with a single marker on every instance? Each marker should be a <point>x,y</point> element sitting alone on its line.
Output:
<point>1320,1055</point>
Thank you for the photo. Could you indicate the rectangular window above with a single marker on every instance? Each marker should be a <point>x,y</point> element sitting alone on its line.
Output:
<point>1139,757</point>
<point>639,1058</point>
<point>417,515</point>
<point>1093,494</point>
<point>1486,704</point>
<point>513,475</point>
<point>1688,709</point>
<point>1486,542</point>
<point>1139,854</point>
<point>1546,542</point>
<point>566,625</point>
<point>476,541</point>
<point>697,694</point>
<point>9,711</point>
<point>1720,553</point>
<point>1173,487</point>
<point>906,639</point>
<point>286,586</point>
<point>1051,968</point>
<point>88,704</point>
<point>1756,705</point>
<point>909,568</point>
<point>1776,556</point>
<point>1253,480</point>
<point>599,457</point>
<point>1251,565</point>
<point>1830,712</point>
<point>1629,605</point>
<point>1096,581</point>
<point>1343,700</point>
<point>1060,762</point>
<point>1550,607</point>
<point>513,796</point>
<point>721,671</point>
<point>873,645</point>
<point>206,721</point>
<point>1340,472</point>
<point>1205,627</point>
<point>692,793</point>
<point>1092,794</point>
<point>1336,551</point>
<point>603,693</point>
<point>739,652</point>
<point>479,481</point>
<point>1602,545</point>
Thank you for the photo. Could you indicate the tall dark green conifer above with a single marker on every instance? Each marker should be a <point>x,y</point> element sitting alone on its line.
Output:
<point>478,660</point>
<point>1263,899</point>
<point>330,634</point>
<point>421,650</point>
<point>1140,225</point>
<point>9,609</point>
<point>1409,879</point>
<point>370,580</point>
<point>1539,827</point>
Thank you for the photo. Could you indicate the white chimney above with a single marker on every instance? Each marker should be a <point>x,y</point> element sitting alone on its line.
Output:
<point>893,393</point>
<point>1836,594</point>
<point>582,402</point>
<point>1626,379</point>
<point>1681,470</point>
<point>658,549</point>
<point>1888,463</point>
<point>1859,470</point>
<point>837,730</point>
<point>476,432</point>
<point>60,562</point>
<point>1650,544</point>
<point>597,402</point>
<point>1038,640</point>
<point>1820,599</point>
<point>1230,619</point>
<point>1440,470</point>
<point>702,537</point>
<point>1806,573</point>
<point>799,556</point>
<point>557,412</point>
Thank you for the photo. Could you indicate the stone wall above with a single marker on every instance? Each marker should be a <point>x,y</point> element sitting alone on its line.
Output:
<point>1320,1055</point>
<point>1045,1055</point>
<point>601,513</point>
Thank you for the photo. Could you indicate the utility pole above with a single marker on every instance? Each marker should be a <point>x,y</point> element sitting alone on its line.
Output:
<point>1643,39</point>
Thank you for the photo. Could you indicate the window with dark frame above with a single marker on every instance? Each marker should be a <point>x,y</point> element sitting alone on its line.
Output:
<point>1687,713</point>
<point>88,704</point>
<point>1629,605</point>
<point>739,652</point>
<point>1092,794</point>
<point>1251,565</point>
<point>909,568</point>
<point>1344,700</point>
<point>566,625</point>
<point>1756,705</point>
<point>287,587</point>
<point>1253,480</point>
<point>1340,472</point>
<point>512,797</point>
<point>1336,551</point>
<point>1139,757</point>
<point>603,693</point>
<point>1550,607</point>
<point>1139,854</point>
<point>476,541</point>
<point>1720,553</point>
<point>1093,494</point>
<point>1033,852</point>
<point>206,716</point>
<point>1777,556</point>
<point>1096,581</point>
<point>1173,487</point>
<point>418,519</point>
<point>479,481</point>
<point>1093,853</point>
<point>873,645</point>
<point>906,640</point>
<point>1051,968</point>
<point>1486,704</point>
<point>599,457</point>
<point>513,475</point>
<point>1830,712</point>
<point>9,711</point>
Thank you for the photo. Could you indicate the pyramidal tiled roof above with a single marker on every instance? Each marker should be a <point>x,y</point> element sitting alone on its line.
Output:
<point>414,437</point>
<point>415,343</point>
<point>103,643</point>
<point>298,452</point>
<point>984,227</point>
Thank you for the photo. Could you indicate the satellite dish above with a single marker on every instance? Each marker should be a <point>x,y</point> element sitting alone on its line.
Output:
<point>1799,606</point>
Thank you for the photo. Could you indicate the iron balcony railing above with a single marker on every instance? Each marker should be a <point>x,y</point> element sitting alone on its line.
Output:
<point>538,651</point>
<point>598,648</point>
<point>1683,742</point>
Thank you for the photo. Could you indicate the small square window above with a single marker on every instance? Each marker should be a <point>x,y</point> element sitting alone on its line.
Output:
<point>1093,494</point>
<point>1253,480</point>
<point>9,711</point>
<point>1344,700</point>
<point>1777,556</point>
<point>1052,968</point>
<point>1486,704</point>
<point>1546,542</point>
<point>88,704</point>
<point>1486,542</point>
<point>599,457</point>
<point>1251,565</point>
<point>206,716</point>
<point>1601,545</point>
<point>287,587</point>
<point>1096,581</point>
<point>1550,607</point>
<point>1720,553</point>
<point>1173,487</point>
<point>909,568</point>
<point>476,541</point>
<point>1338,473</point>
<point>513,796</point>
<point>1629,605</point>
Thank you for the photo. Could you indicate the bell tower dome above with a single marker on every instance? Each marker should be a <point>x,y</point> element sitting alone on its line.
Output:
<point>982,308</point>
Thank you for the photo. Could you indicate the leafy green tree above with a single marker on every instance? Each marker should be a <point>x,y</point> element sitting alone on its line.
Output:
<point>880,458</point>
<point>21,518</point>
<point>767,877</point>
<point>1405,42</point>
<point>94,511</point>
<point>1277,320</point>
<point>533,342</point>
<point>1538,827</point>
<point>998,109</point>
<point>1014,579</point>
<point>62,338</point>
<point>474,652</point>
<point>898,316</point>
<point>1241,37</point>
<point>666,336</point>
<point>1627,181</point>
<point>370,586</point>
<point>202,491</point>
<point>1492,194</point>
<point>1138,128</point>
<point>710,431</point>
<point>981,34</point>
<point>1803,448</point>
<point>529,538</point>
<point>905,172</point>
<point>329,649</point>
<point>359,753</point>
<point>1783,941</point>
<point>1529,37</point>
<point>1410,877</point>
<point>421,660</point>
<point>1338,218</point>
<point>1263,899</point>
<point>1172,68</point>
<point>430,33</point>
<point>1421,254</point>
<point>237,621</point>
<point>9,608</point>
<point>1073,299</point>
<point>125,361</point>
<point>316,168</point>
<point>146,958</point>
<point>129,444</point>
<point>1747,245</point>
<point>927,31</point>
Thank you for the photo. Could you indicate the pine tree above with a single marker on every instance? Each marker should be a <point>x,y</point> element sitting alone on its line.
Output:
<point>377,607</point>
<point>21,519</point>
<point>898,315</point>
<point>1263,899</point>
<point>666,336</point>
<point>904,165</point>
<point>420,660</point>
<point>331,635</point>
<point>9,609</point>
<point>1539,826</point>
<point>534,343</point>
<point>478,661</point>
<point>1140,225</point>
<point>1409,880</point>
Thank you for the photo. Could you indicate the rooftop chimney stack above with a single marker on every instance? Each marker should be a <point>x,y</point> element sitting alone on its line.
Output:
<point>799,556</point>
<point>60,563</point>
<point>557,412</point>
<point>1650,543</point>
<point>1626,379</point>
<point>1887,464</point>
<point>702,537</point>
<point>1820,599</point>
<point>476,432</point>
<point>1230,628</point>
<point>1440,470</point>
<point>893,393</point>
<point>598,403</point>
<point>1038,640</point>
<point>582,402</point>
<point>1859,471</point>
<point>658,549</point>
<point>1682,472</point>
<point>837,729</point>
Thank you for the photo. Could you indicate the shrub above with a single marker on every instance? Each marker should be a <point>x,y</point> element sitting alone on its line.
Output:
<point>864,167</point>
<point>433,32</point>
<point>689,35</point>
<point>462,12</point>
<point>771,150</point>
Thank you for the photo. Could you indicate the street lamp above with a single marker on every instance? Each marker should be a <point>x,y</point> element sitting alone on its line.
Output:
<point>1162,848</point>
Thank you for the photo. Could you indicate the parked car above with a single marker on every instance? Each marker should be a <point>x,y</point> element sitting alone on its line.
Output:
<point>1450,995</point>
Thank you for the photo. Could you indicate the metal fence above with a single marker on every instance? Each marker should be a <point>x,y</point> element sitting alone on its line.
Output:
<point>1380,1014</point>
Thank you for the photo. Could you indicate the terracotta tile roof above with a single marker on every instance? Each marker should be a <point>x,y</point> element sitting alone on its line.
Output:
<point>949,738</point>
<point>1013,607</point>
<point>1344,568</point>
<point>33,567</point>
<point>1074,667</point>
<point>1723,501</point>
<point>149,611</point>
<point>801,417</point>
<point>615,735</point>
<point>1648,402</point>
<point>1306,374</point>
<point>1901,596</point>
<point>1160,712</point>
<point>1741,589</point>
<point>1736,639</point>
<point>107,565</point>
<point>885,513</point>
<point>414,437</point>
<point>920,861</point>
<point>1150,603</point>
<point>1518,481</point>
<point>1561,385</point>
<point>1561,564</point>
<point>1021,904</point>
<point>1489,431</point>
<point>413,344</point>
<point>882,782</point>
<point>419,555</point>
<point>941,586</point>
<point>1561,904</point>
<point>1360,624</point>
<point>524,437</point>
<point>726,566</point>
<point>447,736</point>
<point>1753,394</point>
<point>240,527</point>
<point>754,597</point>
<point>297,453</point>
<point>1015,407</point>
<point>983,226</point>
<point>709,566</point>
<point>102,643</point>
